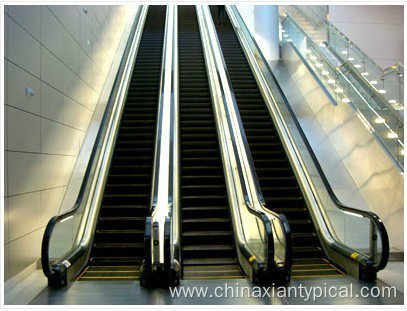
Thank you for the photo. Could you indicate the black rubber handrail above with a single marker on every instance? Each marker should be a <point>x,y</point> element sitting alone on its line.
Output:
<point>46,267</point>
<point>370,215</point>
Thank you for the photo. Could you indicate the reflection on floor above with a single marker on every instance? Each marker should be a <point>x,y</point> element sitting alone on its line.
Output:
<point>393,274</point>
<point>130,292</point>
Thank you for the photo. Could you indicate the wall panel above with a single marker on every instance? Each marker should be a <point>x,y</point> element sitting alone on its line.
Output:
<point>62,54</point>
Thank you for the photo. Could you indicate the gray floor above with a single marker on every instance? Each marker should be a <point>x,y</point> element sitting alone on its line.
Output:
<point>393,274</point>
<point>131,293</point>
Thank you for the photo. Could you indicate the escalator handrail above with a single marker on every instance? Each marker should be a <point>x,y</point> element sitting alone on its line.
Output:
<point>157,152</point>
<point>47,269</point>
<point>374,218</point>
<point>173,190</point>
<point>267,223</point>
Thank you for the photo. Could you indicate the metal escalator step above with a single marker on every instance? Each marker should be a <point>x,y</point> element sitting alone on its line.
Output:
<point>110,273</point>
<point>203,211</point>
<point>305,238</point>
<point>208,251</point>
<point>115,261</point>
<point>208,247</point>
<point>124,210</point>
<point>209,261</point>
<point>196,187</point>
<point>114,249</point>
<point>307,251</point>
<point>207,233</point>
<point>207,220</point>
<point>280,201</point>
<point>119,245</point>
<point>315,273</point>
<point>301,225</point>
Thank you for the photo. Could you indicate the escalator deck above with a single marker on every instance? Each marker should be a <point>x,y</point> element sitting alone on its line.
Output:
<point>118,246</point>
<point>208,250</point>
<point>277,181</point>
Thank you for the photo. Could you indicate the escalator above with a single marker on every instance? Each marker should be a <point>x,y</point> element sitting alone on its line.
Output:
<point>276,177</point>
<point>118,247</point>
<point>208,249</point>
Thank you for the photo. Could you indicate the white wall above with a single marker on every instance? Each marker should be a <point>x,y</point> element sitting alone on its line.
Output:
<point>378,30</point>
<point>64,53</point>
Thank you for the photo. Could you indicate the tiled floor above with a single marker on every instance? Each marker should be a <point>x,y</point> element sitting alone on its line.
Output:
<point>129,293</point>
<point>32,289</point>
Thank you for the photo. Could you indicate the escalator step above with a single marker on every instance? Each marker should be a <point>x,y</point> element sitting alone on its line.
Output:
<point>111,273</point>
